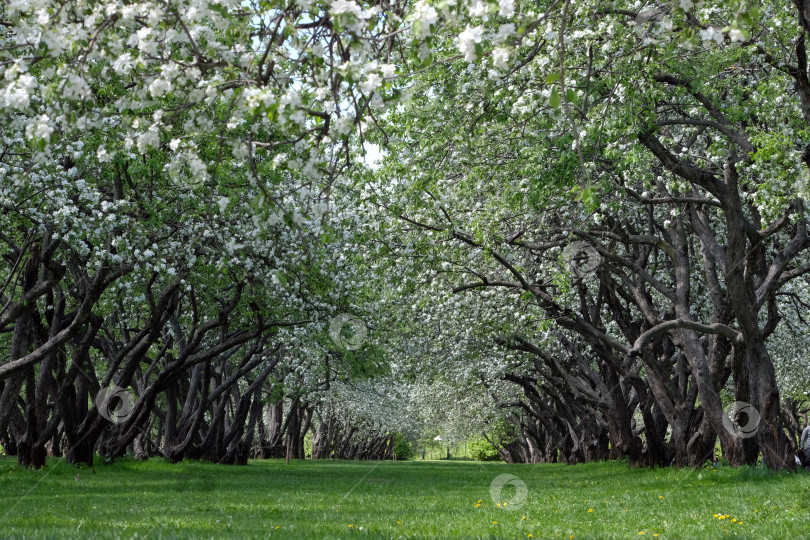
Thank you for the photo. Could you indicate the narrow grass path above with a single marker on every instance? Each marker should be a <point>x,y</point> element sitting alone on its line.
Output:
<point>328,499</point>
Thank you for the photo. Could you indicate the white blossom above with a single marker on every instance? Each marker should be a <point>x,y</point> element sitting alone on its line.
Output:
<point>102,155</point>
<point>505,31</point>
<point>712,33</point>
<point>123,64</point>
<point>346,6</point>
<point>500,58</point>
<point>39,127</point>
<point>479,8</point>
<point>18,94</point>
<point>507,8</point>
<point>427,16</point>
<point>736,35</point>
<point>223,202</point>
<point>388,70</point>
<point>371,83</point>
<point>467,41</point>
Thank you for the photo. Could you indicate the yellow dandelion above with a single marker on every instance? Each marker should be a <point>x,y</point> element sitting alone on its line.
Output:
<point>660,496</point>
<point>656,534</point>
<point>640,532</point>
<point>715,515</point>
<point>498,505</point>
<point>590,509</point>
<point>523,518</point>
<point>505,504</point>
<point>351,525</point>
<point>478,505</point>
<point>494,522</point>
<point>399,523</point>
<point>278,527</point>
<point>734,520</point>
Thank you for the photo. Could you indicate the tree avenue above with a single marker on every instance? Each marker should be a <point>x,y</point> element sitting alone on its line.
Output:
<point>584,238</point>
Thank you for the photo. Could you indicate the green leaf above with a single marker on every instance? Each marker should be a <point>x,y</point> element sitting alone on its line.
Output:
<point>571,95</point>
<point>552,78</point>
<point>554,100</point>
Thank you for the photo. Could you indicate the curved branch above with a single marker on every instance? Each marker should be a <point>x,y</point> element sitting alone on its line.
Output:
<point>714,328</point>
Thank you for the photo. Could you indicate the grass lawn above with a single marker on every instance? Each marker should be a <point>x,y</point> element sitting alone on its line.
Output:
<point>327,499</point>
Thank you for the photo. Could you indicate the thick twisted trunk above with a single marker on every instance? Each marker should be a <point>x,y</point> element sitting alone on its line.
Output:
<point>743,300</point>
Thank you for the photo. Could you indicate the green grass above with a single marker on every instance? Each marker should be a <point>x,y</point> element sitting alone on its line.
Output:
<point>416,499</point>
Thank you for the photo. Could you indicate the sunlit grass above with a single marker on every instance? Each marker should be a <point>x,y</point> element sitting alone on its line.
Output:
<point>338,499</point>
